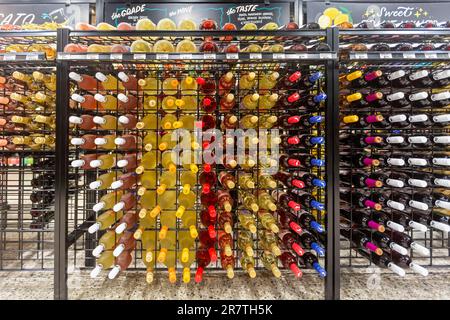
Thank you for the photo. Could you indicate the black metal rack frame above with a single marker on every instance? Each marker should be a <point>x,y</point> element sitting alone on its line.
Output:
<point>437,241</point>
<point>68,238</point>
<point>26,229</point>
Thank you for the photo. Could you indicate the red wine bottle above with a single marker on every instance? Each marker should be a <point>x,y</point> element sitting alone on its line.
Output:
<point>404,261</point>
<point>366,79</point>
<point>310,261</point>
<point>362,219</point>
<point>360,200</point>
<point>306,199</point>
<point>360,180</point>
<point>406,241</point>
<point>288,239</point>
<point>359,160</point>
<point>287,102</point>
<point>384,242</point>
<point>309,81</point>
<point>360,240</point>
<point>383,261</point>
<point>289,81</point>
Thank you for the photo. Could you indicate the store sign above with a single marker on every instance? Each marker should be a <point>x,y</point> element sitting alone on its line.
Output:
<point>20,14</point>
<point>378,13</point>
<point>239,14</point>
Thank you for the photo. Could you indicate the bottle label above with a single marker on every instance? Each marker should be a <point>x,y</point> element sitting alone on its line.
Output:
<point>442,182</point>
<point>440,96</point>
<point>396,75</point>
<point>441,118</point>
<point>418,205</point>
<point>418,96</point>
<point>395,140</point>
<point>417,183</point>
<point>417,162</point>
<point>397,118</point>
<point>418,139</point>
<point>442,139</point>
<point>441,161</point>
<point>395,183</point>
<point>396,161</point>
<point>418,75</point>
<point>395,96</point>
<point>441,75</point>
<point>418,118</point>
<point>395,205</point>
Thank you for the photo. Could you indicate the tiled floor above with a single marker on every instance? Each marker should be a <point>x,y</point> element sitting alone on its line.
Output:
<point>131,285</point>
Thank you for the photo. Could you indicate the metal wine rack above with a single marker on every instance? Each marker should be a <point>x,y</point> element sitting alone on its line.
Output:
<point>436,241</point>
<point>26,228</point>
<point>74,245</point>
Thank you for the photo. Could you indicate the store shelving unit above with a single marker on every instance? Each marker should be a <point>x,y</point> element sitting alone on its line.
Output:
<point>435,240</point>
<point>75,215</point>
<point>26,228</point>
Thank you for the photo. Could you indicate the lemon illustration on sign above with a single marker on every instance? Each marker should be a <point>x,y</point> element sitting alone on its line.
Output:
<point>341,18</point>
<point>166,24</point>
<point>324,21</point>
<point>186,46</point>
<point>187,24</point>
<point>141,46</point>
<point>332,13</point>
<point>163,46</point>
<point>145,24</point>
<point>103,26</point>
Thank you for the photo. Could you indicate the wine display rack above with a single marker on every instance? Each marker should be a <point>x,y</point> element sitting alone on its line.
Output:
<point>56,237</point>
<point>435,239</point>
<point>26,227</point>
<point>74,243</point>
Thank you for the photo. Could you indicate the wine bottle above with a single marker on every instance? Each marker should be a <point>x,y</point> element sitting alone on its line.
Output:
<point>360,180</point>
<point>361,219</point>
<point>310,261</point>
<point>404,261</point>
<point>285,200</point>
<point>360,240</point>
<point>291,243</point>
<point>289,262</point>
<point>360,200</point>
<point>382,261</point>
<point>406,241</point>
<point>359,160</point>
<point>306,200</point>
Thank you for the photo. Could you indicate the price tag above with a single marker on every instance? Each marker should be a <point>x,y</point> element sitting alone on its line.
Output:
<point>186,56</point>
<point>116,56</point>
<point>62,56</point>
<point>162,56</point>
<point>384,55</point>
<point>209,56</point>
<point>448,54</point>
<point>359,55</point>
<point>409,55</point>
<point>233,56</point>
<point>139,56</point>
<point>301,56</point>
<point>325,55</point>
<point>430,55</point>
<point>256,56</point>
<point>280,56</point>
<point>91,56</point>
<point>9,57</point>
<point>32,57</point>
